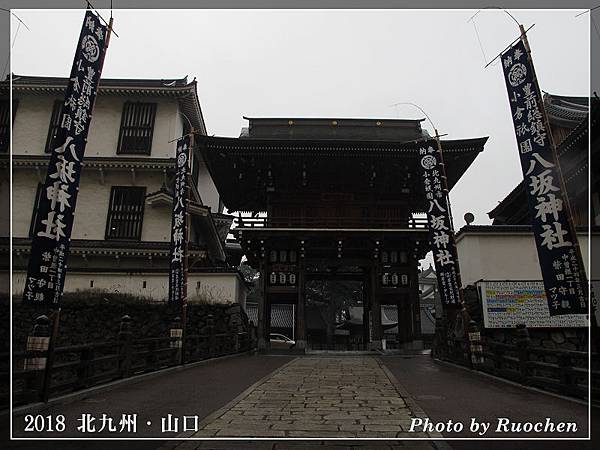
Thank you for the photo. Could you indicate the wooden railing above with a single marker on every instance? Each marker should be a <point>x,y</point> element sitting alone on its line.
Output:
<point>330,222</point>
<point>561,371</point>
<point>81,366</point>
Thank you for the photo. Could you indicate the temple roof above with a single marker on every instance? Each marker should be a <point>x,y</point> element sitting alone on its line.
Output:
<point>241,167</point>
<point>566,111</point>
<point>298,128</point>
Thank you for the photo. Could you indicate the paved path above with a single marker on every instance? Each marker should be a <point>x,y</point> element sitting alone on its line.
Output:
<point>448,392</point>
<point>340,397</point>
<point>197,390</point>
<point>328,396</point>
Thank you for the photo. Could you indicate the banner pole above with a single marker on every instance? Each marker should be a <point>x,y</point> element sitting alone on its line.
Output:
<point>186,245</point>
<point>50,360</point>
<point>561,178</point>
<point>445,181</point>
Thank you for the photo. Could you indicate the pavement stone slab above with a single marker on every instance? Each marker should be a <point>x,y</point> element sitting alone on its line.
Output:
<point>318,397</point>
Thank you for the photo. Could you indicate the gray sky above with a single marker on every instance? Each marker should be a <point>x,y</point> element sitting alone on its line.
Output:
<point>336,64</point>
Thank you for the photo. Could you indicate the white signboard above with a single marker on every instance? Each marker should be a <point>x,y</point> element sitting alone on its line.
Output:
<point>509,303</point>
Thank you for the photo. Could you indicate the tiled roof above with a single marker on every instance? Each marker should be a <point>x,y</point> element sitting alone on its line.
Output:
<point>566,110</point>
<point>185,92</point>
<point>112,82</point>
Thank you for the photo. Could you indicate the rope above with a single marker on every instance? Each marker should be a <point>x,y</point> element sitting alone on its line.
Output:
<point>479,40</point>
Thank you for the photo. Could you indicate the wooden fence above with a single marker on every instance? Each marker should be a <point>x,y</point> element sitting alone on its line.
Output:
<point>76,367</point>
<point>561,371</point>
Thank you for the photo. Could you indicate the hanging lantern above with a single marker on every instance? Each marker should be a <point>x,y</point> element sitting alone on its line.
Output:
<point>384,257</point>
<point>273,278</point>
<point>292,278</point>
<point>393,256</point>
<point>283,256</point>
<point>385,279</point>
<point>273,256</point>
<point>394,279</point>
<point>282,278</point>
<point>404,280</point>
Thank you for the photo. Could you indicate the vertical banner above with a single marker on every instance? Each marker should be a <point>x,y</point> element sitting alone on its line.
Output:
<point>441,232</point>
<point>556,242</point>
<point>177,275</point>
<point>56,210</point>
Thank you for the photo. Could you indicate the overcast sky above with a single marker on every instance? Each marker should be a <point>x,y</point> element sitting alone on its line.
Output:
<point>336,64</point>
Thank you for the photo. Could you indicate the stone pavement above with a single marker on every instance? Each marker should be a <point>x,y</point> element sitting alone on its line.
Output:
<point>318,397</point>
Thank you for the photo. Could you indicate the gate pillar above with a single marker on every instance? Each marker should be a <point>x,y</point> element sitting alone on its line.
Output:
<point>264,315</point>
<point>375,309</point>
<point>300,308</point>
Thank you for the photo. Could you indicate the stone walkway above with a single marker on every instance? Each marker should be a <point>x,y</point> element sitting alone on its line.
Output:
<point>319,397</point>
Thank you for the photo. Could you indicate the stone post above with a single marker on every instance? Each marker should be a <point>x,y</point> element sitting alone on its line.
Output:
<point>176,333</point>
<point>125,346</point>
<point>35,362</point>
<point>475,347</point>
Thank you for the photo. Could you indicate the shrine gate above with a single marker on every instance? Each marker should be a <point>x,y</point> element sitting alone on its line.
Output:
<point>332,199</point>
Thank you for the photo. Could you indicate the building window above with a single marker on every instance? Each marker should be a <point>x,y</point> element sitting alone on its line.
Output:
<point>54,125</point>
<point>137,125</point>
<point>5,125</point>
<point>36,207</point>
<point>125,213</point>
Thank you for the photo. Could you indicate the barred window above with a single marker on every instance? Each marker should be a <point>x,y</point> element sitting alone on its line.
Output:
<point>137,126</point>
<point>5,125</point>
<point>54,125</point>
<point>36,206</point>
<point>125,213</point>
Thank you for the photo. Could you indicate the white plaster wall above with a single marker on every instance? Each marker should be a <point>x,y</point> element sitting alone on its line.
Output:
<point>213,287</point>
<point>92,203</point>
<point>207,189</point>
<point>32,120</point>
<point>217,288</point>
<point>503,257</point>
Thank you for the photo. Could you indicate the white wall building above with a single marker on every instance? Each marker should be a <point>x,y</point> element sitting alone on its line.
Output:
<point>507,252</point>
<point>121,234</point>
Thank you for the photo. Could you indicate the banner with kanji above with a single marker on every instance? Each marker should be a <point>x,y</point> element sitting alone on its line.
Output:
<point>560,260</point>
<point>56,209</point>
<point>441,232</point>
<point>177,257</point>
